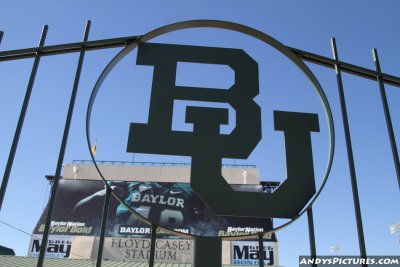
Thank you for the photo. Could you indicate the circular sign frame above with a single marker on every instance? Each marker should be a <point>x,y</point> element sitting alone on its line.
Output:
<point>232,27</point>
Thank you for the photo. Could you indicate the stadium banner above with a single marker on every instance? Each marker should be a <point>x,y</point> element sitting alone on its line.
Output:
<point>246,253</point>
<point>79,205</point>
<point>138,250</point>
<point>58,246</point>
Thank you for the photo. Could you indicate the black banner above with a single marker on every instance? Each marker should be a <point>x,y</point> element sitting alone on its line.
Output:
<point>79,207</point>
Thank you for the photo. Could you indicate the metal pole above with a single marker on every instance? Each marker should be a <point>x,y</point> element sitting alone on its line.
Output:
<point>1,36</point>
<point>52,50</point>
<point>356,200</point>
<point>207,251</point>
<point>62,150</point>
<point>123,41</point>
<point>261,250</point>
<point>21,119</point>
<point>398,238</point>
<point>153,244</point>
<point>103,226</point>
<point>313,251</point>
<point>387,116</point>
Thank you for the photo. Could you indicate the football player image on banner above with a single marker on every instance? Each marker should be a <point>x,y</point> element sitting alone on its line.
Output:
<point>170,204</point>
<point>79,206</point>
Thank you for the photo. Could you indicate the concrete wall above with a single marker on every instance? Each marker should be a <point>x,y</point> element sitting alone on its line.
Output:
<point>154,173</point>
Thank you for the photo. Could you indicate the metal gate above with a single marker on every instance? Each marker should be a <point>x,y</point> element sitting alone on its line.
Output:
<point>81,48</point>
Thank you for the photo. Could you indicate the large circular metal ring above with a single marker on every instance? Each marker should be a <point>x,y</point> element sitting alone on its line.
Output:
<point>227,26</point>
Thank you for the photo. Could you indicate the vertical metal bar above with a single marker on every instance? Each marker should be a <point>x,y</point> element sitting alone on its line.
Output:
<point>21,119</point>
<point>387,116</point>
<point>62,150</point>
<point>261,250</point>
<point>153,244</point>
<point>207,251</point>
<point>1,36</point>
<point>356,200</point>
<point>313,251</point>
<point>103,226</point>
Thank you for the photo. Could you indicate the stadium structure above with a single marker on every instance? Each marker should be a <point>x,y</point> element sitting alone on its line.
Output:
<point>157,190</point>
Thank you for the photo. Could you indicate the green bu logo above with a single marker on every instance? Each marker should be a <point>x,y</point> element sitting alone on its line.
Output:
<point>207,146</point>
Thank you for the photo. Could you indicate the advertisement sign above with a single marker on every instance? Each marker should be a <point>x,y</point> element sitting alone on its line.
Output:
<point>79,206</point>
<point>58,246</point>
<point>138,250</point>
<point>246,253</point>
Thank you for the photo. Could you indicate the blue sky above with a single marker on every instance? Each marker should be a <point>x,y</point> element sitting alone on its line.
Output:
<point>358,26</point>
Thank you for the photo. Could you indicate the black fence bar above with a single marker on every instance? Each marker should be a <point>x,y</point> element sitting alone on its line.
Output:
<point>21,119</point>
<point>346,67</point>
<point>261,250</point>
<point>103,225</point>
<point>62,149</point>
<point>311,235</point>
<point>66,48</point>
<point>123,41</point>
<point>207,251</point>
<point>153,245</point>
<point>387,116</point>
<point>354,187</point>
<point>1,36</point>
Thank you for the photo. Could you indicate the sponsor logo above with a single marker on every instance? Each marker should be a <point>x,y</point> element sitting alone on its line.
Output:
<point>68,228</point>
<point>56,248</point>
<point>246,253</point>
<point>147,230</point>
<point>134,230</point>
<point>173,192</point>
<point>144,188</point>
<point>238,231</point>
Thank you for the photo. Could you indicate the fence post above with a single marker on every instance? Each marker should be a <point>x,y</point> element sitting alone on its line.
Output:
<point>387,116</point>
<point>103,225</point>
<point>354,187</point>
<point>62,150</point>
<point>21,119</point>
<point>313,251</point>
